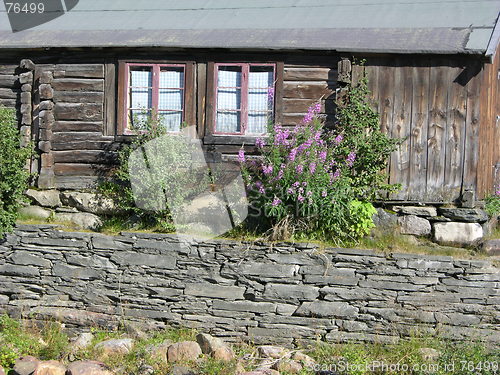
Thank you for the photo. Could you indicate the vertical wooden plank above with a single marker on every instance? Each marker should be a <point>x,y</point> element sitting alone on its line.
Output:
<point>401,129</point>
<point>278,93</point>
<point>496,146</point>
<point>372,72</point>
<point>201,87</point>
<point>189,94</point>
<point>210,99</point>
<point>386,97</point>
<point>122,97</point>
<point>418,137</point>
<point>440,79</point>
<point>455,133</point>
<point>110,90</point>
<point>472,125</point>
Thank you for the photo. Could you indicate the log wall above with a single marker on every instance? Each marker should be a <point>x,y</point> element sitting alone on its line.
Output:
<point>445,109</point>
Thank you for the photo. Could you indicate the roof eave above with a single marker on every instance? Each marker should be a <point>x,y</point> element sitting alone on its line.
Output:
<point>491,50</point>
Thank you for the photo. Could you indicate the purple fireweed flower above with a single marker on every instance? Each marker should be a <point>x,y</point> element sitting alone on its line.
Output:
<point>304,183</point>
<point>299,169</point>
<point>296,184</point>
<point>281,136</point>
<point>241,156</point>
<point>301,190</point>
<point>276,202</point>
<point>259,142</point>
<point>267,169</point>
<point>280,173</point>
<point>312,168</point>
<point>292,155</point>
<point>289,191</point>
<point>311,112</point>
<point>262,190</point>
<point>270,94</point>
<point>339,138</point>
<point>350,159</point>
<point>300,198</point>
<point>309,193</point>
<point>324,193</point>
<point>322,156</point>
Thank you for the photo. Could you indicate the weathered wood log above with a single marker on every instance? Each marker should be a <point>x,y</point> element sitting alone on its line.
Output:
<point>8,69</point>
<point>78,111</point>
<point>300,105</point>
<point>309,74</point>
<point>6,93</point>
<point>77,126</point>
<point>78,97</point>
<point>80,137</point>
<point>75,169</point>
<point>46,91</point>
<point>79,70</point>
<point>75,182</point>
<point>9,81</point>
<point>85,157</point>
<point>77,84</point>
<point>308,90</point>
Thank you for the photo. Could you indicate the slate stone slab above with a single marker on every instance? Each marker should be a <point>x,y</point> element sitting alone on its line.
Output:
<point>468,215</point>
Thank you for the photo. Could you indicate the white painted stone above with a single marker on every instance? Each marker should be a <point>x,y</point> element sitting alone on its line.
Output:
<point>457,233</point>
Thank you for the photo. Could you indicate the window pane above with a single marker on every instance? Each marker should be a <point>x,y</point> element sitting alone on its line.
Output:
<point>170,99</point>
<point>229,99</point>
<point>261,77</point>
<point>228,122</point>
<point>141,76</point>
<point>257,122</point>
<point>260,100</point>
<point>171,77</point>
<point>229,76</point>
<point>140,98</point>
<point>171,120</point>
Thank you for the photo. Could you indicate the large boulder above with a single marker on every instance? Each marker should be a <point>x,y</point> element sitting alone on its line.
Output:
<point>80,219</point>
<point>45,198</point>
<point>116,346</point>
<point>462,234</point>
<point>159,351</point>
<point>183,351</point>
<point>416,210</point>
<point>385,220</point>
<point>469,215</point>
<point>88,368</point>
<point>411,224</point>
<point>50,368</point>
<point>25,365</point>
<point>35,212</point>
<point>89,202</point>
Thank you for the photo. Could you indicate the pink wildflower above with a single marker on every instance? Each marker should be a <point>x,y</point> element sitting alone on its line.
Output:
<point>267,170</point>
<point>259,142</point>
<point>350,159</point>
<point>276,202</point>
<point>241,156</point>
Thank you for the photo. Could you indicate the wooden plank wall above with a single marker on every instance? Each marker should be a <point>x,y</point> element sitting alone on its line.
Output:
<point>489,131</point>
<point>433,104</point>
<point>81,152</point>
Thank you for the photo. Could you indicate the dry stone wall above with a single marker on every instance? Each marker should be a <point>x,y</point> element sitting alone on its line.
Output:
<point>253,291</point>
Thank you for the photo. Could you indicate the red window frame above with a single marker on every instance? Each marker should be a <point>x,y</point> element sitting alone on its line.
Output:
<point>155,89</point>
<point>245,70</point>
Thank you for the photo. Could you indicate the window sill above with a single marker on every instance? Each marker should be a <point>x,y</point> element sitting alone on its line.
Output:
<point>231,139</point>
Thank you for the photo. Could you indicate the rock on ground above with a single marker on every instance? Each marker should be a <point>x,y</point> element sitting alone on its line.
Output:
<point>385,220</point>
<point>80,219</point>
<point>270,351</point>
<point>411,224</point>
<point>416,210</point>
<point>430,354</point>
<point>89,202</point>
<point>50,368</point>
<point>25,365</point>
<point>83,341</point>
<point>261,372</point>
<point>88,368</point>
<point>160,351</point>
<point>304,359</point>
<point>183,351</point>
<point>492,247</point>
<point>471,215</point>
<point>182,370</point>
<point>215,347</point>
<point>457,233</point>
<point>35,212</point>
<point>288,366</point>
<point>45,198</point>
<point>116,346</point>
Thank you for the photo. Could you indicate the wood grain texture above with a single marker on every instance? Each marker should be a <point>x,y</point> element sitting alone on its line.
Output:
<point>78,84</point>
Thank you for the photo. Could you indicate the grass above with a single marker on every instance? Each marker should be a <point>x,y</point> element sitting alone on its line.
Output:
<point>49,341</point>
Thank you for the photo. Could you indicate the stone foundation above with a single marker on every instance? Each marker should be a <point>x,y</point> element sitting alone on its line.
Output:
<point>245,291</point>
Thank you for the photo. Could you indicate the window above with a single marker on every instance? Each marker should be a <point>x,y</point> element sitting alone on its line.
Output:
<point>244,98</point>
<point>149,89</point>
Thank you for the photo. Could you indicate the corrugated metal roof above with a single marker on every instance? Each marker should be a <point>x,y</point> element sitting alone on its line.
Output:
<point>419,26</point>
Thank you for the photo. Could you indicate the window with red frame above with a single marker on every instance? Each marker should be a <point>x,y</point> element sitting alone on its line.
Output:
<point>244,98</point>
<point>157,89</point>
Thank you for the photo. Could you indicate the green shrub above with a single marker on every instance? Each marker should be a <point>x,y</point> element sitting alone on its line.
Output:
<point>15,342</point>
<point>13,174</point>
<point>159,153</point>
<point>492,205</point>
